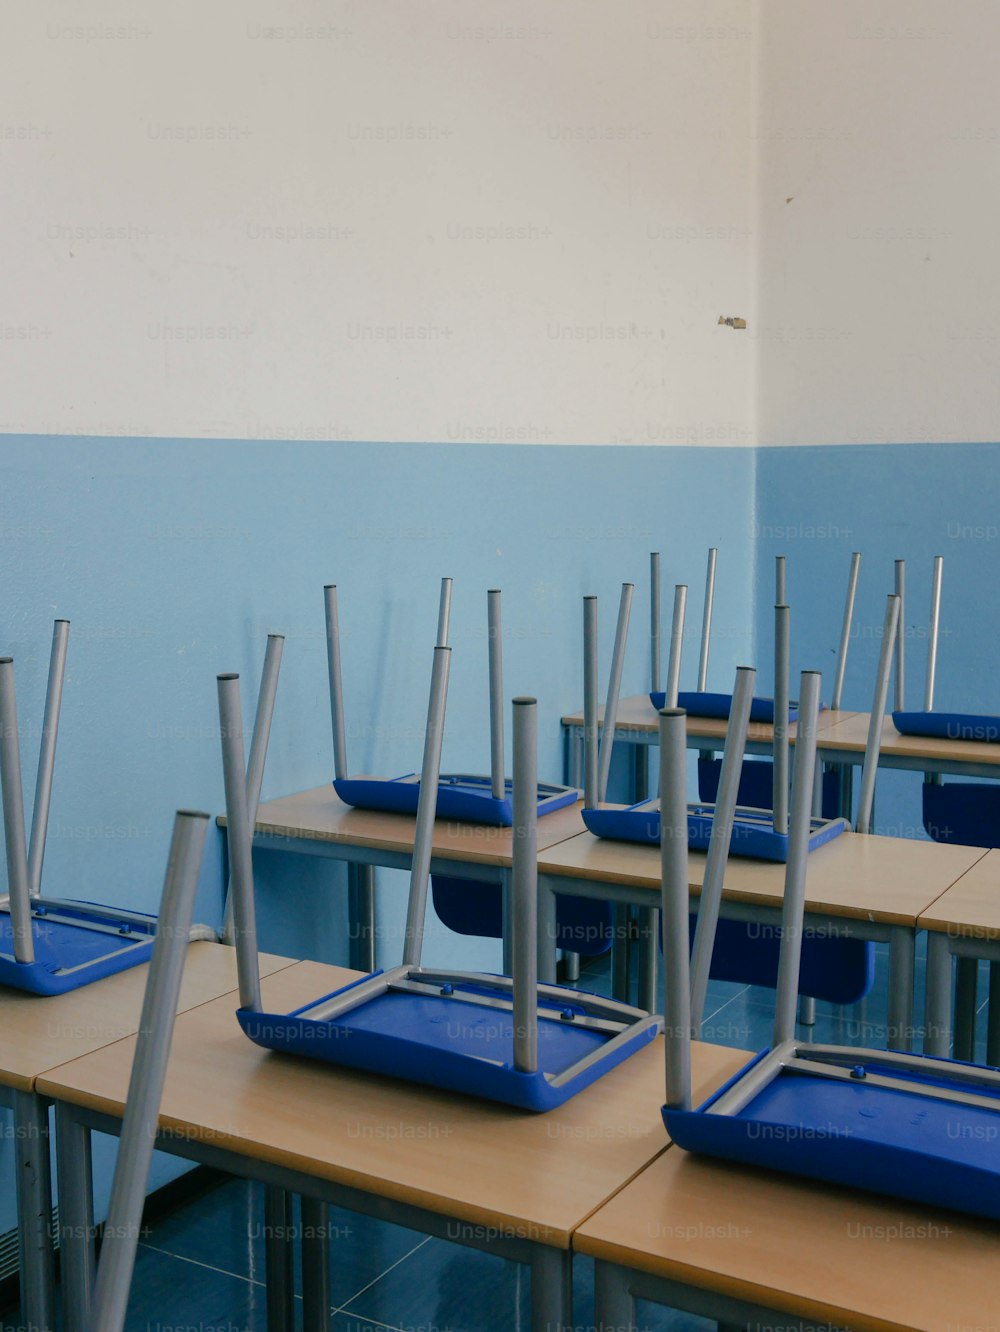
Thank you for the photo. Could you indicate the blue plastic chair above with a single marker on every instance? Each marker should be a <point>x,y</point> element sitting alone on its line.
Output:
<point>840,971</point>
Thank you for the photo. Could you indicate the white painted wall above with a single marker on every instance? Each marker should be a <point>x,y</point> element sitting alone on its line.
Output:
<point>878,134</point>
<point>384,221</point>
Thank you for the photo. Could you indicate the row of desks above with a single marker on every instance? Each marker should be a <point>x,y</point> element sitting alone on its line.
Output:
<point>866,883</point>
<point>840,742</point>
<point>878,888</point>
<point>840,735</point>
<point>39,1034</point>
<point>596,1176</point>
<point>515,1184</point>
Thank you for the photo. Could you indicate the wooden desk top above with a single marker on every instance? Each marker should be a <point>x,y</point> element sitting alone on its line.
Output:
<point>970,909</point>
<point>319,815</point>
<point>851,734</point>
<point>636,713</point>
<point>487,1165</point>
<point>840,1257</point>
<point>886,879</point>
<point>38,1033</point>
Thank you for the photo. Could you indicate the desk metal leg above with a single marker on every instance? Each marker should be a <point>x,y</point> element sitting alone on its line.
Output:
<point>640,773</point>
<point>649,949</point>
<point>74,1171</point>
<point>361,916</point>
<point>279,1251</point>
<point>507,916</point>
<point>547,952</point>
<point>807,1010</point>
<point>967,974</point>
<point>902,943</point>
<point>551,1289</point>
<point>937,1008</point>
<point>993,1017</point>
<point>845,791</point>
<point>621,952</point>
<point>316,1307</point>
<point>614,1308</point>
<point>34,1209</point>
<point>573,757</point>
<point>570,967</point>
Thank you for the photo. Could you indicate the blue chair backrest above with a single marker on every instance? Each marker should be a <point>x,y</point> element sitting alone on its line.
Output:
<point>756,785</point>
<point>964,812</point>
<point>841,971</point>
<point>469,906</point>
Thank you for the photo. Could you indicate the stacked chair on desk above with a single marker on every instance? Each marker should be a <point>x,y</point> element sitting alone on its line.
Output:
<point>840,971</point>
<point>509,1039</point>
<point>910,1126</point>
<point>469,907</point>
<point>756,777</point>
<point>49,945</point>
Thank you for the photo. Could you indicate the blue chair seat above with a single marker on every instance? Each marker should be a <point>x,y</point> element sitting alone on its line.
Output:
<point>964,812</point>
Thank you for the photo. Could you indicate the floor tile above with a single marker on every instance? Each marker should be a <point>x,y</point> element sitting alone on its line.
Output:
<point>449,1288</point>
<point>229,1224</point>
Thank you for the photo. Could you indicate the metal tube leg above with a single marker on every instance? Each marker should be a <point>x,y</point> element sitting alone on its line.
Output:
<point>640,773</point>
<point>902,942</point>
<point>316,1308</point>
<point>570,967</point>
<point>573,769</point>
<point>614,1308</point>
<point>507,915</point>
<point>547,952</point>
<point>966,976</point>
<point>937,1006</point>
<point>807,1010</point>
<point>279,1252</point>
<point>76,1219</point>
<point>620,953</point>
<point>845,791</point>
<point>34,1209</point>
<point>649,925</point>
<point>993,1017</point>
<point>361,913</point>
<point>551,1289</point>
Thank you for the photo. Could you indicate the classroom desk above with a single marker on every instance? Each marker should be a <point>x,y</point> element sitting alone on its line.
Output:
<point>318,823</point>
<point>638,725</point>
<point>963,922</point>
<point>858,885</point>
<point>845,742</point>
<point>840,743</point>
<point>40,1033</point>
<point>742,1246</point>
<point>480,1174</point>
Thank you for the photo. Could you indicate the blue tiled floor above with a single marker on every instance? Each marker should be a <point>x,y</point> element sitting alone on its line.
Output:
<point>202,1267</point>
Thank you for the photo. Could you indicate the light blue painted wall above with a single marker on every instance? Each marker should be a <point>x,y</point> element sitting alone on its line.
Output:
<point>890,502</point>
<point>174,558</point>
